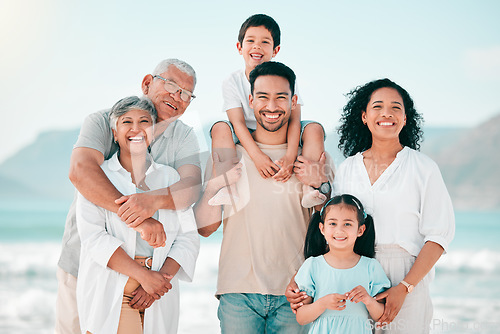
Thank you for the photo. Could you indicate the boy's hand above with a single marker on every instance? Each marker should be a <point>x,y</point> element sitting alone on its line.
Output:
<point>266,167</point>
<point>225,173</point>
<point>286,170</point>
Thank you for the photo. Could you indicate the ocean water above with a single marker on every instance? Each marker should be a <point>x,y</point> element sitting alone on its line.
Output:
<point>465,292</point>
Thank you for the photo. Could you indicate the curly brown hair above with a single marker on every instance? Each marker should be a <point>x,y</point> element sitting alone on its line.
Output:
<point>356,137</point>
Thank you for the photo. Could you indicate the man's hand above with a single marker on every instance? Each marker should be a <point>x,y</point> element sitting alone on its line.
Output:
<point>142,300</point>
<point>136,208</point>
<point>286,170</point>
<point>152,232</point>
<point>395,298</point>
<point>311,173</point>
<point>266,167</point>
<point>294,296</point>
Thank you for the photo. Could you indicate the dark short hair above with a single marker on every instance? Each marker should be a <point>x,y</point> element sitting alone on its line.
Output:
<point>273,68</point>
<point>356,137</point>
<point>258,20</point>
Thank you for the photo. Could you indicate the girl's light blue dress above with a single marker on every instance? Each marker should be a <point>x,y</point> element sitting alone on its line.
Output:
<point>319,279</point>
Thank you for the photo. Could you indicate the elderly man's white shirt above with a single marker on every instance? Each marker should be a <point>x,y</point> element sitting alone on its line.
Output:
<point>409,202</point>
<point>99,288</point>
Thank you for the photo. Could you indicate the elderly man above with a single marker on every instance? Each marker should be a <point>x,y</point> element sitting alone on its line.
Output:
<point>263,236</point>
<point>170,88</point>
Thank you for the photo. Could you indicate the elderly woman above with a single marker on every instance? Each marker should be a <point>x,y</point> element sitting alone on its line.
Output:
<point>124,284</point>
<point>402,189</point>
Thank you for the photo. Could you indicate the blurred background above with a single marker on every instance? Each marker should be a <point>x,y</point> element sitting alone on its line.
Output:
<point>62,60</point>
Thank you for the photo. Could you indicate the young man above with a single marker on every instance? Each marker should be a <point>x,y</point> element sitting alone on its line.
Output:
<point>170,88</point>
<point>264,232</point>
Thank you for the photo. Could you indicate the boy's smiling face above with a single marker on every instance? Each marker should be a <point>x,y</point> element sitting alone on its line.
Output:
<point>257,47</point>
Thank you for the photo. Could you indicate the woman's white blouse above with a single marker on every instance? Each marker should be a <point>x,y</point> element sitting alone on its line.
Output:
<point>409,202</point>
<point>99,288</point>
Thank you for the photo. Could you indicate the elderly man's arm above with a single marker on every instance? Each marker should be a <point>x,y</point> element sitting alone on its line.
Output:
<point>136,207</point>
<point>90,180</point>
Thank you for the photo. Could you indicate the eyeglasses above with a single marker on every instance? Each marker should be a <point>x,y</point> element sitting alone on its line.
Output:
<point>173,88</point>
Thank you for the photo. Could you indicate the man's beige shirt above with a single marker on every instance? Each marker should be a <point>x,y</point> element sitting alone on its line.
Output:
<point>263,235</point>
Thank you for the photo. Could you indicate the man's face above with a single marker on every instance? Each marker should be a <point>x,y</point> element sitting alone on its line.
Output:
<point>168,105</point>
<point>272,102</point>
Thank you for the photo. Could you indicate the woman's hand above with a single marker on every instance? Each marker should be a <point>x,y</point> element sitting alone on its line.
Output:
<point>155,283</point>
<point>394,299</point>
<point>142,300</point>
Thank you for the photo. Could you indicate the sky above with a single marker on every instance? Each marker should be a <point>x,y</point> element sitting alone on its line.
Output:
<point>61,60</point>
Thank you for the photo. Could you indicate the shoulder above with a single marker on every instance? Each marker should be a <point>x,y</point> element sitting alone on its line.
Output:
<point>178,128</point>
<point>424,163</point>
<point>349,162</point>
<point>99,116</point>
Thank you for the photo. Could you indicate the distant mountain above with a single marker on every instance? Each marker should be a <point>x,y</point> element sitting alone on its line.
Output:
<point>469,165</point>
<point>468,159</point>
<point>40,170</point>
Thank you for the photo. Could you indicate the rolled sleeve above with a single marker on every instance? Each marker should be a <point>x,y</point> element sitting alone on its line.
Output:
<point>95,240</point>
<point>437,223</point>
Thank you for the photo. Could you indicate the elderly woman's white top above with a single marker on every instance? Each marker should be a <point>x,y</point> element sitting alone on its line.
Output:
<point>99,288</point>
<point>409,202</point>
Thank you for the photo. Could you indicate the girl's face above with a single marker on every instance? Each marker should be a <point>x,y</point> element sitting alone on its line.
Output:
<point>134,131</point>
<point>385,114</point>
<point>341,227</point>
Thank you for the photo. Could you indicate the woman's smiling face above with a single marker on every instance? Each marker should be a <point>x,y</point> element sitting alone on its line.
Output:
<point>134,131</point>
<point>385,114</point>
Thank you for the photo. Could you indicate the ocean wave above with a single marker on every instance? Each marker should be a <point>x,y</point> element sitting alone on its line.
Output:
<point>482,261</point>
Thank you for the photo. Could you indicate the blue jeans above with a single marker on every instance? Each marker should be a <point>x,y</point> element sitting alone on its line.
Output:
<point>253,313</point>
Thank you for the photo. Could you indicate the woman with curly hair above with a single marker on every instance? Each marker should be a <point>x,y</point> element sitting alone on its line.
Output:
<point>402,189</point>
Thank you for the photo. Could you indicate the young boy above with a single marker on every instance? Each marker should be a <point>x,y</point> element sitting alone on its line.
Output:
<point>259,42</point>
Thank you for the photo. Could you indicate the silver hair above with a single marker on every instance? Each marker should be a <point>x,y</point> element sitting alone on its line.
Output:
<point>131,103</point>
<point>181,65</point>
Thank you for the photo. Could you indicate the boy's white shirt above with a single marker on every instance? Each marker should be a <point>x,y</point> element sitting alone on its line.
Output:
<point>236,92</point>
<point>99,288</point>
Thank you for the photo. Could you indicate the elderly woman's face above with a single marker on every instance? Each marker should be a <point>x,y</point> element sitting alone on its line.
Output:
<point>134,131</point>
<point>385,114</point>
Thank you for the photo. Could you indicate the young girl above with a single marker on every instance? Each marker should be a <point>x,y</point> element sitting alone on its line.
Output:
<point>340,275</point>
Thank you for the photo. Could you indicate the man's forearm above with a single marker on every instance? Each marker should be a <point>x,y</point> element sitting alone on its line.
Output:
<point>180,195</point>
<point>91,181</point>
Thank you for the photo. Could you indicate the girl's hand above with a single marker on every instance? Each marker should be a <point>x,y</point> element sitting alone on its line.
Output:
<point>266,167</point>
<point>333,301</point>
<point>395,298</point>
<point>359,294</point>
<point>286,170</point>
<point>156,284</point>
<point>142,300</point>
